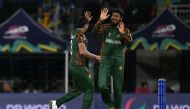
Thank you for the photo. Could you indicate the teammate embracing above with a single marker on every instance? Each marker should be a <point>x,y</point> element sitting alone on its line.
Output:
<point>83,80</point>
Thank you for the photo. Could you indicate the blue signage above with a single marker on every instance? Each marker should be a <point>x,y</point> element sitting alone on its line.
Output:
<point>130,101</point>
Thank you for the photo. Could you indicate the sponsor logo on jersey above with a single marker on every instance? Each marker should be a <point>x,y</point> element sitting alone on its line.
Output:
<point>109,34</point>
<point>117,42</point>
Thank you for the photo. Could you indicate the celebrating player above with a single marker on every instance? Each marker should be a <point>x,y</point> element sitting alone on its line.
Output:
<point>83,80</point>
<point>115,37</point>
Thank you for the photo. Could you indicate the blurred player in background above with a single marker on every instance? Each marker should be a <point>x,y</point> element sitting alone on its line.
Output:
<point>83,80</point>
<point>115,37</point>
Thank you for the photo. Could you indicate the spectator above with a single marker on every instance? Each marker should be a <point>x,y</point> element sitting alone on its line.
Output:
<point>6,87</point>
<point>46,20</point>
<point>45,6</point>
<point>45,14</point>
<point>153,11</point>
<point>143,14</point>
<point>17,85</point>
<point>67,15</point>
<point>129,8</point>
<point>30,89</point>
<point>144,88</point>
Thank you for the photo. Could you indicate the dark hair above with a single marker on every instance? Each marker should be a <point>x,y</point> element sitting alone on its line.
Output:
<point>81,22</point>
<point>119,10</point>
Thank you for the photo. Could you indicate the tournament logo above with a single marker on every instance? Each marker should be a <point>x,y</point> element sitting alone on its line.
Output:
<point>164,31</point>
<point>16,32</point>
<point>132,103</point>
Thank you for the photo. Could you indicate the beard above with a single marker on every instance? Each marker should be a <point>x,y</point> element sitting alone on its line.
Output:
<point>114,22</point>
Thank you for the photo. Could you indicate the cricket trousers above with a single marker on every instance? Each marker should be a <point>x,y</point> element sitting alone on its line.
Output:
<point>111,66</point>
<point>83,83</point>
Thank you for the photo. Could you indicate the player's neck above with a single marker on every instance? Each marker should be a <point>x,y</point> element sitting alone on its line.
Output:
<point>114,24</point>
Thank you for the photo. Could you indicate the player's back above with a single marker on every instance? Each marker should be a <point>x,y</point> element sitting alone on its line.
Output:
<point>75,57</point>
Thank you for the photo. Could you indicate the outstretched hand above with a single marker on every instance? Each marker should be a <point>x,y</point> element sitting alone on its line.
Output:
<point>104,14</point>
<point>88,16</point>
<point>121,27</point>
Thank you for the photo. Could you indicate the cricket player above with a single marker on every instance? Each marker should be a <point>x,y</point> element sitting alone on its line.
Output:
<point>115,36</point>
<point>83,80</point>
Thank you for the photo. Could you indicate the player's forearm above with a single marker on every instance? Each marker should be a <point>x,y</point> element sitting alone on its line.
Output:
<point>126,36</point>
<point>87,54</point>
<point>83,51</point>
<point>98,28</point>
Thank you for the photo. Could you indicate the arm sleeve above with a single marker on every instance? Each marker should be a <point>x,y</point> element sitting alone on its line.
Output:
<point>80,38</point>
<point>100,28</point>
<point>126,36</point>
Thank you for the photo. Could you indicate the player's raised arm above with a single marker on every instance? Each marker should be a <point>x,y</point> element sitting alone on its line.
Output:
<point>100,28</point>
<point>125,33</point>
<point>104,14</point>
<point>88,16</point>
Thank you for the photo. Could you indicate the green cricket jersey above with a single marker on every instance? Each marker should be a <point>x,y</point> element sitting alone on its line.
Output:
<point>75,57</point>
<point>114,43</point>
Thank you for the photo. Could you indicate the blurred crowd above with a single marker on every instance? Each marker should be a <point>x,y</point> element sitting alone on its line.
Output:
<point>22,86</point>
<point>31,87</point>
<point>59,16</point>
<point>56,15</point>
